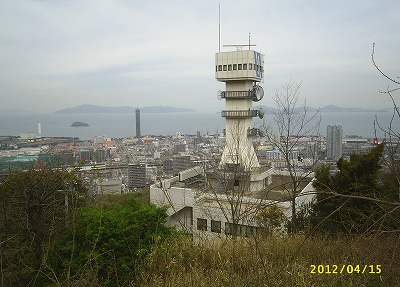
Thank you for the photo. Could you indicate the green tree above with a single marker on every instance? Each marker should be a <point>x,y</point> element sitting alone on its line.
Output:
<point>109,240</point>
<point>357,198</point>
<point>36,206</point>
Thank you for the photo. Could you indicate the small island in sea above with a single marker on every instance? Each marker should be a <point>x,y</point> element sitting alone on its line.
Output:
<point>79,124</point>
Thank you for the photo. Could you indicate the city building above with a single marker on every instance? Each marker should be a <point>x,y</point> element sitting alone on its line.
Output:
<point>356,146</point>
<point>180,163</point>
<point>108,186</point>
<point>334,135</point>
<point>180,148</point>
<point>168,166</point>
<point>86,155</point>
<point>137,175</point>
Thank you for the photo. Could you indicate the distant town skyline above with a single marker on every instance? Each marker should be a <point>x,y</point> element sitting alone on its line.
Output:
<point>57,54</point>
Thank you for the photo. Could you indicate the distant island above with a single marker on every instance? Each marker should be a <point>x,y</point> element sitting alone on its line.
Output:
<point>79,124</point>
<point>91,109</point>
<point>331,109</point>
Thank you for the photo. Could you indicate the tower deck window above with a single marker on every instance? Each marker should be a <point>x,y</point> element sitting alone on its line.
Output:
<point>250,66</point>
<point>239,66</point>
<point>234,67</point>
<point>229,67</point>
<point>224,67</point>
<point>219,67</point>
<point>202,224</point>
<point>244,66</point>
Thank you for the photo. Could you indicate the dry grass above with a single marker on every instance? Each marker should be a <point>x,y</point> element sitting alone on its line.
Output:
<point>270,261</point>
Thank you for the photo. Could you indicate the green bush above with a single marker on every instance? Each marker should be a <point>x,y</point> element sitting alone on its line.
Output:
<point>356,199</point>
<point>110,241</point>
<point>36,207</point>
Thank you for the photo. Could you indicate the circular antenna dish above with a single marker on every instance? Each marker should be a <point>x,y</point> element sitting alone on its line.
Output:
<point>258,93</point>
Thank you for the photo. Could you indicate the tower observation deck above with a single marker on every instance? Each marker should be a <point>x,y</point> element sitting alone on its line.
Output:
<point>242,71</point>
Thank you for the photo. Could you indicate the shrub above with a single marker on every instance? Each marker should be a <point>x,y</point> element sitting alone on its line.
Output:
<point>109,241</point>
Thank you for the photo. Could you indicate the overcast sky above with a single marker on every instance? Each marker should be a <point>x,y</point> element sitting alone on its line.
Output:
<point>55,54</point>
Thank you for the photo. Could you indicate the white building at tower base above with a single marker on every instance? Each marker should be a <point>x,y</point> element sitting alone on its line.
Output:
<point>207,213</point>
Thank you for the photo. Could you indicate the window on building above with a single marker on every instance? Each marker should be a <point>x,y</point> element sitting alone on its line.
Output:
<point>224,67</point>
<point>229,67</point>
<point>250,66</point>
<point>215,226</point>
<point>216,68</point>
<point>228,228</point>
<point>231,228</point>
<point>244,66</point>
<point>239,66</point>
<point>219,67</point>
<point>202,224</point>
<point>234,67</point>
<point>247,231</point>
<point>257,68</point>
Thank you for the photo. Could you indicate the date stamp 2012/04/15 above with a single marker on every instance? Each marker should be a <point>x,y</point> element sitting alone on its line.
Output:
<point>327,269</point>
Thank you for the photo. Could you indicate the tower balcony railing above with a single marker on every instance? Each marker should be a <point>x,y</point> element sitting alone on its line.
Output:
<point>255,94</point>
<point>236,94</point>
<point>242,114</point>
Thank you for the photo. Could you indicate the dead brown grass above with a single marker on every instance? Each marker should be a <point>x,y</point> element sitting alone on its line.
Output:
<point>270,261</point>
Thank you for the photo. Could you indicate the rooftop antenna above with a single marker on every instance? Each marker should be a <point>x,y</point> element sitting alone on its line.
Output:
<point>219,27</point>
<point>240,46</point>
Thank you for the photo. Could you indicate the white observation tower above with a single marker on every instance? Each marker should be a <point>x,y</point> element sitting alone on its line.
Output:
<point>242,71</point>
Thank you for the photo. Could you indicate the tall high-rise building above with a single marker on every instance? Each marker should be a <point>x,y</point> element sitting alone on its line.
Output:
<point>39,130</point>
<point>138,133</point>
<point>334,135</point>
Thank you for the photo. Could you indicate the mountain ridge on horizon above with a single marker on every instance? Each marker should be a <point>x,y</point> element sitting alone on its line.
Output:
<point>88,108</point>
<point>330,109</point>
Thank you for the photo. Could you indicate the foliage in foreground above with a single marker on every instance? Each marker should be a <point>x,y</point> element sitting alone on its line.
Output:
<point>354,199</point>
<point>270,261</point>
<point>109,241</point>
<point>51,234</point>
<point>36,207</point>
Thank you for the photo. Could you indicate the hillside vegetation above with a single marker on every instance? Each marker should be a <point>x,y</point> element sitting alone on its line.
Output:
<point>271,261</point>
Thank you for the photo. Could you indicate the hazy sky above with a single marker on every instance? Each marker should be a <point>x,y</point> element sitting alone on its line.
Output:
<point>55,54</point>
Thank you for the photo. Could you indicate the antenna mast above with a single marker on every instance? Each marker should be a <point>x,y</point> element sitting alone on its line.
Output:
<point>219,27</point>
